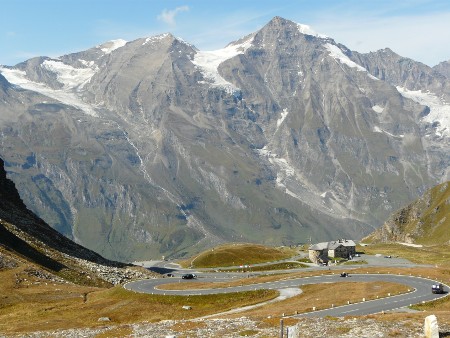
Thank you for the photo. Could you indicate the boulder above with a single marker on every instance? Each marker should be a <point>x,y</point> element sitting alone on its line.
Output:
<point>431,329</point>
<point>104,319</point>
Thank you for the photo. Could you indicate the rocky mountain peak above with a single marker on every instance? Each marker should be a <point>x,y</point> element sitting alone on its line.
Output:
<point>443,68</point>
<point>286,27</point>
<point>152,147</point>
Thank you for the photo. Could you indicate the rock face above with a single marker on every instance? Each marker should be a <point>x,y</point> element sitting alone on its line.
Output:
<point>152,147</point>
<point>24,235</point>
<point>424,221</point>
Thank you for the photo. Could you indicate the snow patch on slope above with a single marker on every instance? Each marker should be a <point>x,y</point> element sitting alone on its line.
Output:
<point>439,109</point>
<point>284,114</point>
<point>155,38</point>
<point>112,45</point>
<point>19,78</point>
<point>307,30</point>
<point>293,184</point>
<point>337,54</point>
<point>285,169</point>
<point>378,109</point>
<point>208,62</point>
<point>69,76</point>
<point>377,129</point>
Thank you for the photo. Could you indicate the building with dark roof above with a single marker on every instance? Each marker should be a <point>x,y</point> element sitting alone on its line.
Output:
<point>322,252</point>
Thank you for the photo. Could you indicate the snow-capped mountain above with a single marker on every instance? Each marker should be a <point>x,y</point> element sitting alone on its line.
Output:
<point>152,147</point>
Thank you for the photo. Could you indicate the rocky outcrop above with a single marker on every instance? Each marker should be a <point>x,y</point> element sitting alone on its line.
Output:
<point>424,221</point>
<point>25,237</point>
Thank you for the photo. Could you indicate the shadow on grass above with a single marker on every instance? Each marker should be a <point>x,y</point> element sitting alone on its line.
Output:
<point>162,271</point>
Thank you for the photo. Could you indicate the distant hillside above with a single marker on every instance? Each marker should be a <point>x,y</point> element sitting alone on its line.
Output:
<point>425,221</point>
<point>27,239</point>
<point>238,254</point>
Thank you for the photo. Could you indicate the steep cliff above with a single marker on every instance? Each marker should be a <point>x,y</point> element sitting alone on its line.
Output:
<point>25,237</point>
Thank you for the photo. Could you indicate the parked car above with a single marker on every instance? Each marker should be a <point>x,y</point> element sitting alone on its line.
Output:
<point>388,256</point>
<point>357,255</point>
<point>437,288</point>
<point>344,274</point>
<point>188,276</point>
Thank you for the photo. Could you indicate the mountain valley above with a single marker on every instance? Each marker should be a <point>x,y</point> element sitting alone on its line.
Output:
<point>153,148</point>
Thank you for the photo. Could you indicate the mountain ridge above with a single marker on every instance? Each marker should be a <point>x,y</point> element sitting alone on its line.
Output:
<point>158,148</point>
<point>27,239</point>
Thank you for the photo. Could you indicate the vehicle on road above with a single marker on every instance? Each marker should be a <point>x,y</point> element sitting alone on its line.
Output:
<point>357,255</point>
<point>188,276</point>
<point>388,256</point>
<point>169,275</point>
<point>344,274</point>
<point>437,288</point>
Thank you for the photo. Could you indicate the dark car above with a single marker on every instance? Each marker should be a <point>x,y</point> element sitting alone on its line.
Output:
<point>188,276</point>
<point>437,288</point>
<point>344,274</point>
<point>169,275</point>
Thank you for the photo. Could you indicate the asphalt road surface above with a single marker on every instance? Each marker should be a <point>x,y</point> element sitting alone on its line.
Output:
<point>420,290</point>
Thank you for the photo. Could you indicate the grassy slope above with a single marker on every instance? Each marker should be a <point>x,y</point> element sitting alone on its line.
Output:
<point>425,221</point>
<point>30,302</point>
<point>238,254</point>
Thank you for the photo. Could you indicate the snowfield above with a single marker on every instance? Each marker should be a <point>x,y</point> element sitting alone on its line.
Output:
<point>208,62</point>
<point>439,109</point>
<point>19,78</point>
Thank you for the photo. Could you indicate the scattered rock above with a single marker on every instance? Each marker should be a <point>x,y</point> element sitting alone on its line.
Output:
<point>104,319</point>
<point>7,262</point>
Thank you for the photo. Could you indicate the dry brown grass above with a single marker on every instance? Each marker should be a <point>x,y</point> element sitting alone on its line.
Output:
<point>322,296</point>
<point>119,331</point>
<point>27,306</point>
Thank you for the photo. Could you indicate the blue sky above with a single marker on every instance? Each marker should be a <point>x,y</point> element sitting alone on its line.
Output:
<point>419,29</point>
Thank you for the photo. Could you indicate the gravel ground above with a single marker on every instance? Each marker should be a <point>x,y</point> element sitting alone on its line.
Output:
<point>230,328</point>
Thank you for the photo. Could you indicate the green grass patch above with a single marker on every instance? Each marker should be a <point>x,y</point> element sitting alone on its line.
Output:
<point>238,254</point>
<point>304,260</point>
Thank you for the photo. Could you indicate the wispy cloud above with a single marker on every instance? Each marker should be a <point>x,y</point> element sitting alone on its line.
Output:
<point>420,36</point>
<point>168,16</point>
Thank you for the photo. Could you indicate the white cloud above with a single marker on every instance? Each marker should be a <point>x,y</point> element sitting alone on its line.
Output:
<point>168,16</point>
<point>420,37</point>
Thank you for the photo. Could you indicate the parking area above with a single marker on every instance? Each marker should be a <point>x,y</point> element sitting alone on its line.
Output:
<point>384,260</point>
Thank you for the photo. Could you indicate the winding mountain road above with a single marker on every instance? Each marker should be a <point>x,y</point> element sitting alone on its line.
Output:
<point>420,291</point>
